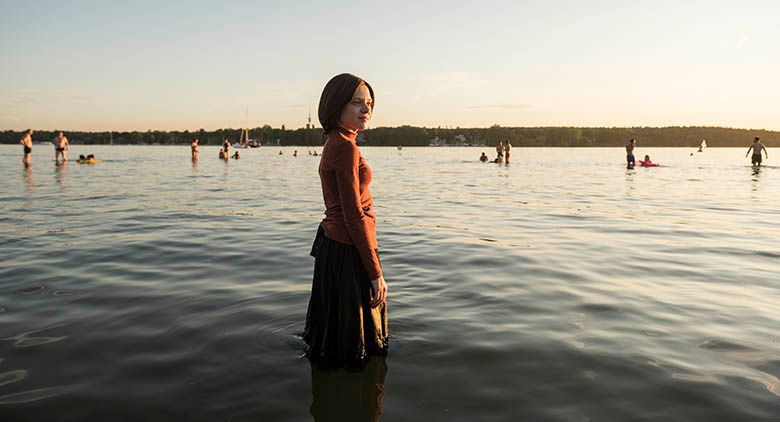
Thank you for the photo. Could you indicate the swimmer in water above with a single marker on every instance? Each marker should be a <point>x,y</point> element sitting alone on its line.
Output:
<point>647,163</point>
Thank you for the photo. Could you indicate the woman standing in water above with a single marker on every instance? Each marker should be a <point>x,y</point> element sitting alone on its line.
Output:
<point>347,316</point>
<point>194,148</point>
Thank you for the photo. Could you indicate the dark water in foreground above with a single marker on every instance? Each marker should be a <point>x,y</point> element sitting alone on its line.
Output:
<point>562,287</point>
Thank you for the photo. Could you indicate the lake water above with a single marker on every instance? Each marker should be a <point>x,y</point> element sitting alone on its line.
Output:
<point>561,287</point>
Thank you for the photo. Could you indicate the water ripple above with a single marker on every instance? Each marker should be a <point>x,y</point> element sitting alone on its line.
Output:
<point>27,339</point>
<point>12,376</point>
<point>561,287</point>
<point>30,395</point>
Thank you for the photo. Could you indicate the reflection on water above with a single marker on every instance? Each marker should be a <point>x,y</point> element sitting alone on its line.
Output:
<point>630,183</point>
<point>61,173</point>
<point>755,178</point>
<point>29,178</point>
<point>345,396</point>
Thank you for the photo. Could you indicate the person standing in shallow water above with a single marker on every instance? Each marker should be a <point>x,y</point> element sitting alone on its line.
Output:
<point>630,160</point>
<point>499,152</point>
<point>61,146</point>
<point>26,142</point>
<point>194,149</point>
<point>757,147</point>
<point>346,320</point>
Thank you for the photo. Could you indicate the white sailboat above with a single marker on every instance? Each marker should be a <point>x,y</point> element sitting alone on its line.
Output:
<point>244,141</point>
<point>702,145</point>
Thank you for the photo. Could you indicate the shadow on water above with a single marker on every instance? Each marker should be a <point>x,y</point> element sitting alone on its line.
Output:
<point>345,395</point>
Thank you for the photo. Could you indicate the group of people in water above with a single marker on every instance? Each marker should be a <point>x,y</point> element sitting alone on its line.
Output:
<point>502,153</point>
<point>295,153</point>
<point>757,147</point>
<point>89,159</point>
<point>61,146</point>
<point>224,152</point>
<point>631,161</point>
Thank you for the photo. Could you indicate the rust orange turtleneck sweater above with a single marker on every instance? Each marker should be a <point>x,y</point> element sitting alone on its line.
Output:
<point>349,209</point>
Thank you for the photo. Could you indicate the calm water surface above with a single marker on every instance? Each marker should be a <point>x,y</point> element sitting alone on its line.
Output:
<point>561,287</point>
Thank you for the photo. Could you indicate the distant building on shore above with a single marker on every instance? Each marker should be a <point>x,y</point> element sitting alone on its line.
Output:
<point>457,141</point>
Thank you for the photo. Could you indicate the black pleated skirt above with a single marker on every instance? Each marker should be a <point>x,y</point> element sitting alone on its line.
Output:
<point>341,325</point>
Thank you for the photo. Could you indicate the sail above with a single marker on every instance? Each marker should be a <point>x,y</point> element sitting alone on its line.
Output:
<point>244,140</point>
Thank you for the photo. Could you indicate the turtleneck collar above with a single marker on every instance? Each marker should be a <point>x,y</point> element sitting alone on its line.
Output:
<point>349,135</point>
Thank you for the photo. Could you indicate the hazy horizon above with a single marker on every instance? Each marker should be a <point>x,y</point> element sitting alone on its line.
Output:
<point>448,127</point>
<point>85,66</point>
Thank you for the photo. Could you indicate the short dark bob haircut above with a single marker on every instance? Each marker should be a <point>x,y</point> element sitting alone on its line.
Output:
<point>336,95</point>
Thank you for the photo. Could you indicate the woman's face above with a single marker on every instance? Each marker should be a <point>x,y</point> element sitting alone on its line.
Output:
<point>357,113</point>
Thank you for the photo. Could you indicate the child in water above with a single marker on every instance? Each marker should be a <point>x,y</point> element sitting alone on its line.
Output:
<point>483,158</point>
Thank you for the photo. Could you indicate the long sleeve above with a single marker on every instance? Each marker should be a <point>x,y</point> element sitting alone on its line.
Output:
<point>360,226</point>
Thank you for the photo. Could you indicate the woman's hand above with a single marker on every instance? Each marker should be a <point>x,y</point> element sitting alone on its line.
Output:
<point>379,291</point>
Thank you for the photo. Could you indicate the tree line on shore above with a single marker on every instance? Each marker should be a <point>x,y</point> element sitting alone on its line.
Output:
<point>673,136</point>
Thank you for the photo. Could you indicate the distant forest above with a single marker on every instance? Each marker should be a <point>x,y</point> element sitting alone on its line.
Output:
<point>674,136</point>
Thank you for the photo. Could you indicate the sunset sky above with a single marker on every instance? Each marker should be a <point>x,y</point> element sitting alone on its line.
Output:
<point>111,65</point>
